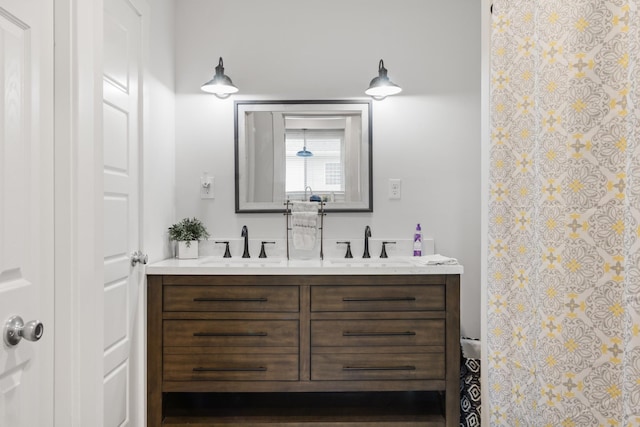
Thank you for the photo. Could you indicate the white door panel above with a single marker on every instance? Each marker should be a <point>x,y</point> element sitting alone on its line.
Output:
<point>26,208</point>
<point>121,136</point>
<point>115,137</point>
<point>115,401</point>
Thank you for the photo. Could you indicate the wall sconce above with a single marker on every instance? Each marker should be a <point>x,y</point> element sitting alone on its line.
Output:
<point>220,85</point>
<point>381,87</point>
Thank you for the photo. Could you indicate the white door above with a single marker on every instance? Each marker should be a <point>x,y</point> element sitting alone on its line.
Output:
<point>123,280</point>
<point>26,209</point>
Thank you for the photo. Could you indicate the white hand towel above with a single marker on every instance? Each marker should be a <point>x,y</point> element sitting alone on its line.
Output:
<point>435,259</point>
<point>304,224</point>
<point>304,207</point>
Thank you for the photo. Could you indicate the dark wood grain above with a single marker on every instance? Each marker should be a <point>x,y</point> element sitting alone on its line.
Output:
<point>378,299</point>
<point>305,334</point>
<point>154,351</point>
<point>452,393</point>
<point>231,298</point>
<point>376,332</point>
<point>255,365</point>
<point>225,333</point>
<point>377,366</point>
<point>304,386</point>
<point>330,339</point>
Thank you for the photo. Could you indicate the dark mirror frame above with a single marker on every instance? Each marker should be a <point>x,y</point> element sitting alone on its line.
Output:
<point>328,207</point>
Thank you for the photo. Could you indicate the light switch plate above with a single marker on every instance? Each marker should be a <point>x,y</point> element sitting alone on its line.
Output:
<point>206,187</point>
<point>395,188</point>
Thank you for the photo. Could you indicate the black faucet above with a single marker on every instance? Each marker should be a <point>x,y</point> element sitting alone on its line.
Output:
<point>245,234</point>
<point>263,253</point>
<point>367,234</point>
<point>227,252</point>
<point>348,254</point>
<point>383,254</point>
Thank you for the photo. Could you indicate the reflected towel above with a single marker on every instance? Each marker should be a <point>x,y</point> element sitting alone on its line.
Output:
<point>304,224</point>
<point>435,259</point>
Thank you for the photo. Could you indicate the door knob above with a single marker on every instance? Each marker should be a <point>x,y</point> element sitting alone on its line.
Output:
<point>137,257</point>
<point>15,330</point>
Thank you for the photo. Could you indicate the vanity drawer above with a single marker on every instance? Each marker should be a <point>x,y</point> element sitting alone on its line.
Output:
<point>377,298</point>
<point>377,366</point>
<point>326,333</point>
<point>251,366</point>
<point>231,298</point>
<point>229,333</point>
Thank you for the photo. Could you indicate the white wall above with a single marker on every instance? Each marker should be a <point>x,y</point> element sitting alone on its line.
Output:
<point>159,133</point>
<point>158,169</point>
<point>429,136</point>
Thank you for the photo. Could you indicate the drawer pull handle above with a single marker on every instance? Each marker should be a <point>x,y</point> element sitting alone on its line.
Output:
<point>376,334</point>
<point>230,334</point>
<point>230,299</point>
<point>384,299</point>
<point>379,368</point>
<point>256,369</point>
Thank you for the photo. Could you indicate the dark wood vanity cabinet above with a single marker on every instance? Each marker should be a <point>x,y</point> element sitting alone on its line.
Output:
<point>356,350</point>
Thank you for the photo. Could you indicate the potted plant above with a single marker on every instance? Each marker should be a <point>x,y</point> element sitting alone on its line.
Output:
<point>187,233</point>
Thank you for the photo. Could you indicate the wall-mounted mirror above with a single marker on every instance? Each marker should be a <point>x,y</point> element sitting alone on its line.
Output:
<point>291,150</point>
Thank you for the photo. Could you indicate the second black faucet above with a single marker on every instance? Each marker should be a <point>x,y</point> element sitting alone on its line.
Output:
<point>367,234</point>
<point>245,234</point>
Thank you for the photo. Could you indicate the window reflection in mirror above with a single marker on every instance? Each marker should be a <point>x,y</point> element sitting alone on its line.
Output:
<point>290,150</point>
<point>319,167</point>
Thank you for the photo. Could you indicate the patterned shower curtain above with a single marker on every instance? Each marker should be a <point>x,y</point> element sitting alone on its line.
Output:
<point>563,332</point>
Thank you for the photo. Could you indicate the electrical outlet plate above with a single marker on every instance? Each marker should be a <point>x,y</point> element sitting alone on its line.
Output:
<point>395,189</point>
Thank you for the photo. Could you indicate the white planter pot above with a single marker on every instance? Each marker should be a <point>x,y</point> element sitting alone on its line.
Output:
<point>190,251</point>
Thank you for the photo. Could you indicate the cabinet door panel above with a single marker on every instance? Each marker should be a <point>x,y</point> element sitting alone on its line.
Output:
<point>350,367</point>
<point>378,298</point>
<point>231,298</point>
<point>253,366</point>
<point>377,332</point>
<point>224,333</point>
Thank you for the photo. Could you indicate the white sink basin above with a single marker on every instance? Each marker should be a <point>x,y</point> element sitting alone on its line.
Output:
<point>238,262</point>
<point>370,262</point>
<point>243,262</point>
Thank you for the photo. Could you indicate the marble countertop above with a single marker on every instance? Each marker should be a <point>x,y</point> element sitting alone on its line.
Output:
<point>281,266</point>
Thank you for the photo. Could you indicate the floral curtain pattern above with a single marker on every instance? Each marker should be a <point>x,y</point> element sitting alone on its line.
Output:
<point>564,214</point>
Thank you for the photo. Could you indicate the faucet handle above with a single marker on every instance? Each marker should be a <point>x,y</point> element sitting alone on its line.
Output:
<point>383,254</point>
<point>263,254</point>
<point>348,254</point>
<point>227,253</point>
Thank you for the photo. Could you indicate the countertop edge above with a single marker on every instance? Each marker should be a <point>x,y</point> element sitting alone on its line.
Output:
<point>204,266</point>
